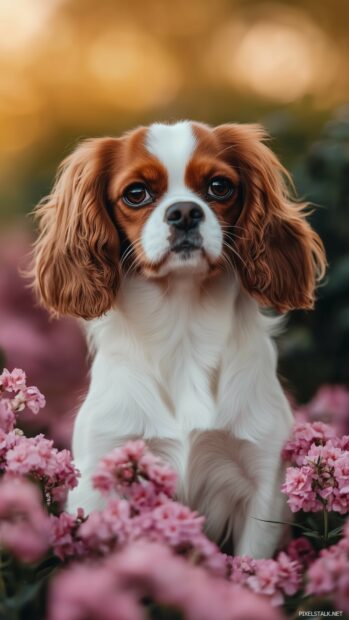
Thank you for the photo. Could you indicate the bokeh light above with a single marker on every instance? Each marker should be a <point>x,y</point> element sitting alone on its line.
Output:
<point>23,21</point>
<point>122,61</point>
<point>277,53</point>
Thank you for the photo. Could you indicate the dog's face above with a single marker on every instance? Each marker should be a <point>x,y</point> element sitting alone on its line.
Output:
<point>174,201</point>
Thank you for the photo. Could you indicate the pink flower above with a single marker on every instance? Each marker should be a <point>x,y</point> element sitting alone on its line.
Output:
<point>342,596</point>
<point>206,554</point>
<point>91,592</point>
<point>328,453</point>
<point>301,550</point>
<point>36,456</point>
<point>330,404</point>
<point>104,530</point>
<point>329,574</point>
<point>289,574</point>
<point>116,587</point>
<point>18,402</point>
<point>173,582</point>
<point>298,486</point>
<point>13,381</point>
<point>159,473</point>
<point>18,379</point>
<point>63,535</point>
<point>64,474</point>
<point>34,399</point>
<point>24,526</point>
<point>331,475</point>
<point>168,522</point>
<point>304,435</point>
<point>31,397</point>
<point>144,496</point>
<point>242,567</point>
<point>320,578</point>
<point>272,578</point>
<point>7,417</point>
<point>322,482</point>
<point>7,442</point>
<point>132,463</point>
<point>265,581</point>
<point>6,380</point>
<point>176,524</point>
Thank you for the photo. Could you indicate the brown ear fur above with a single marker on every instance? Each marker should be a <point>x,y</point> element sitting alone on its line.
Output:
<point>77,252</point>
<point>282,258</point>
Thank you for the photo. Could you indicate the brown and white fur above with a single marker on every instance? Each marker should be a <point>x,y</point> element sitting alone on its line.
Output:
<point>171,297</point>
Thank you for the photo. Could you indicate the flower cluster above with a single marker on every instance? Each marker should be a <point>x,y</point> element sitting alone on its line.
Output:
<point>149,571</point>
<point>305,435</point>
<point>144,551</point>
<point>329,574</point>
<point>24,396</point>
<point>319,479</point>
<point>301,550</point>
<point>33,457</point>
<point>330,404</point>
<point>64,539</point>
<point>130,470</point>
<point>24,524</point>
<point>140,504</point>
<point>16,396</point>
<point>273,578</point>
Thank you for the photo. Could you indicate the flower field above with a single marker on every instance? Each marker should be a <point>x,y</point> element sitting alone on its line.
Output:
<point>145,555</point>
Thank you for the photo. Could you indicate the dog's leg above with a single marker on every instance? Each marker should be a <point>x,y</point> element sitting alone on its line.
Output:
<point>253,407</point>
<point>122,403</point>
<point>253,535</point>
<point>216,482</point>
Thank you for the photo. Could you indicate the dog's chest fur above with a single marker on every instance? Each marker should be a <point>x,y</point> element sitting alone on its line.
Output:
<point>177,337</point>
<point>169,361</point>
<point>192,371</point>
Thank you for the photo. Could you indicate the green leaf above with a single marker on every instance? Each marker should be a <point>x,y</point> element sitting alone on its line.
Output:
<point>280,523</point>
<point>315,525</point>
<point>311,534</point>
<point>336,532</point>
<point>25,595</point>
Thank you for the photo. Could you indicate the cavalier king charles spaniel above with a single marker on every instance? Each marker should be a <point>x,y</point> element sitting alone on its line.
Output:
<point>168,242</point>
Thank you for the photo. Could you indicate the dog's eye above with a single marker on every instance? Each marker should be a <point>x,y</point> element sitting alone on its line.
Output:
<point>137,195</point>
<point>220,188</point>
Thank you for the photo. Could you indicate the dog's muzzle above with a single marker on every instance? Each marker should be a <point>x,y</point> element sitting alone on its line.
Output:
<point>184,219</point>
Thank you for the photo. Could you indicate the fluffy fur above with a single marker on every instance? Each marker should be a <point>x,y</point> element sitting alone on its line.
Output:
<point>183,355</point>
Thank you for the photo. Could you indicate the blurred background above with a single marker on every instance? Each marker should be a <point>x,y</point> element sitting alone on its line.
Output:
<point>74,69</point>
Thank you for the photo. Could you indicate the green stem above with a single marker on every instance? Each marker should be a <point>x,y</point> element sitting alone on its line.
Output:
<point>325,526</point>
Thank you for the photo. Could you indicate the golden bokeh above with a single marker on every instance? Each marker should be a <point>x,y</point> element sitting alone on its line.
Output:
<point>72,68</point>
<point>277,53</point>
<point>122,62</point>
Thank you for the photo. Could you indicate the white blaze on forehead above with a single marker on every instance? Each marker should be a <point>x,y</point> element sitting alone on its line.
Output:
<point>173,145</point>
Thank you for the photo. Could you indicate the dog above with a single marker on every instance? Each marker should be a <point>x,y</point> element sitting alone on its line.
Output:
<point>168,242</point>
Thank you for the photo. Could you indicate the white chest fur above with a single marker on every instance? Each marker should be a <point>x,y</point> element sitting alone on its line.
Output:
<point>193,372</point>
<point>176,338</point>
<point>189,358</point>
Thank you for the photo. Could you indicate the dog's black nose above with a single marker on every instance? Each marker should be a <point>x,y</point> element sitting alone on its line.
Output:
<point>184,215</point>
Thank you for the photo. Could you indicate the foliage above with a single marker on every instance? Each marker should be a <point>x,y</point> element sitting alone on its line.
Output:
<point>315,349</point>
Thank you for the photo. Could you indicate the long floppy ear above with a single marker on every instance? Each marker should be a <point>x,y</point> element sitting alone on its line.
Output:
<point>77,252</point>
<point>282,258</point>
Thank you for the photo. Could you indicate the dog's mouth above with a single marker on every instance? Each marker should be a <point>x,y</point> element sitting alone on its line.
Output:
<point>186,243</point>
<point>186,247</point>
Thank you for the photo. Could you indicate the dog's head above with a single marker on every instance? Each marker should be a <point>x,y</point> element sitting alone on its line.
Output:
<point>174,201</point>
